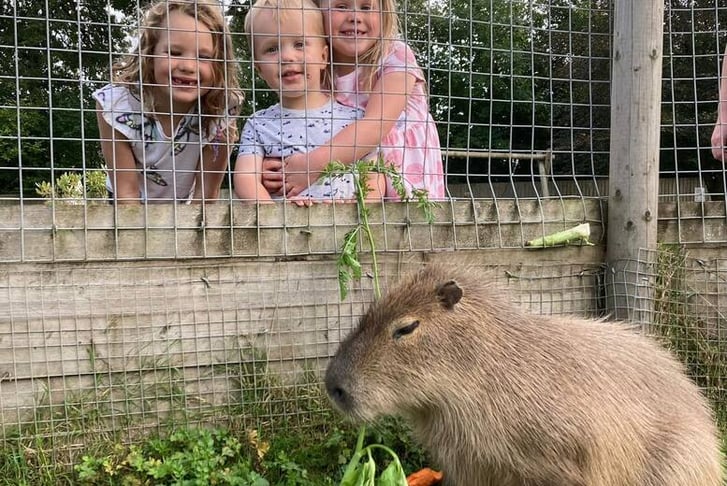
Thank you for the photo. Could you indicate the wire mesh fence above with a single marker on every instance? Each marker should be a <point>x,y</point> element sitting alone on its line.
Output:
<point>127,330</point>
<point>519,93</point>
<point>109,351</point>
<point>113,352</point>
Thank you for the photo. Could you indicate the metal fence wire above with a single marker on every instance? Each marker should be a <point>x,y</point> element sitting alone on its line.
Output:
<point>519,93</point>
<point>118,353</point>
<point>116,320</point>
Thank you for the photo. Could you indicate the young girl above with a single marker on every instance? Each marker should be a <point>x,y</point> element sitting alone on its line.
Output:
<point>165,122</point>
<point>373,70</point>
<point>290,52</point>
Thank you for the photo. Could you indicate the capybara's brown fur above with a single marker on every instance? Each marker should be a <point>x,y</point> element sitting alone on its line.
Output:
<point>502,397</point>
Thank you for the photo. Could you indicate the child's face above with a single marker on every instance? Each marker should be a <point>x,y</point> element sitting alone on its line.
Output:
<point>183,60</point>
<point>287,55</point>
<point>353,26</point>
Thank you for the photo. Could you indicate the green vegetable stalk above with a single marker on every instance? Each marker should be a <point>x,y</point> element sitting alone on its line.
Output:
<point>578,233</point>
<point>361,470</point>
<point>349,265</point>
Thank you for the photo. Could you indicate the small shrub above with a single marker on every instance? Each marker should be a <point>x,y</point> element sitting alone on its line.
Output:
<point>187,456</point>
<point>74,188</point>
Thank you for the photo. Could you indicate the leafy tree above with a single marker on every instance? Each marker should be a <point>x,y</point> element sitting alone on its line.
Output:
<point>47,114</point>
<point>574,42</point>
<point>693,51</point>
<point>477,58</point>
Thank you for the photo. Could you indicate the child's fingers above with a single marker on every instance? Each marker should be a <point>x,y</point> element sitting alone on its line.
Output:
<point>302,201</point>
<point>292,190</point>
<point>273,184</point>
<point>274,165</point>
<point>272,176</point>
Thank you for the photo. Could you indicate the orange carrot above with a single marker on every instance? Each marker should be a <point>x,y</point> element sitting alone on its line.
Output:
<point>424,477</point>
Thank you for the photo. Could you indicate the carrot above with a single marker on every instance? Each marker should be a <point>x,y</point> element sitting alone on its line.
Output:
<point>424,477</point>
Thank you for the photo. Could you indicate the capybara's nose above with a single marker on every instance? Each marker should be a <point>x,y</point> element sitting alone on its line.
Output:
<point>337,394</point>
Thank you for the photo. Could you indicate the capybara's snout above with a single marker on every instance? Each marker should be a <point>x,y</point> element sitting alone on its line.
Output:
<point>336,388</point>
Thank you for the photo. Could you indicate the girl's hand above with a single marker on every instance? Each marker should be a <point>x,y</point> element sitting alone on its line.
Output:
<point>297,175</point>
<point>301,201</point>
<point>272,176</point>
<point>719,141</point>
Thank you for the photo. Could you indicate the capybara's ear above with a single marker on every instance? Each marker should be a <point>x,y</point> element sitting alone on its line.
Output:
<point>449,293</point>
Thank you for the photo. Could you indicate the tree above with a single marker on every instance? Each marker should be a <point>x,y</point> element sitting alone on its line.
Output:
<point>62,55</point>
<point>692,59</point>
<point>478,59</point>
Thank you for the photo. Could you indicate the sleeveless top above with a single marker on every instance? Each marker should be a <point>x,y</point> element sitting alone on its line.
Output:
<point>167,165</point>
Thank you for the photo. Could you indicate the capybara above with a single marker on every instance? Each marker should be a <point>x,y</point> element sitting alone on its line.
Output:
<point>502,397</point>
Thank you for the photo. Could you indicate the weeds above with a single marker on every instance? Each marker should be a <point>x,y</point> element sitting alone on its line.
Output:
<point>348,262</point>
<point>687,334</point>
<point>74,188</point>
<point>186,456</point>
<point>282,450</point>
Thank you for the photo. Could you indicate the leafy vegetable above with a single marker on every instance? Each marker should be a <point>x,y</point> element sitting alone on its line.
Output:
<point>361,470</point>
<point>577,233</point>
<point>349,265</point>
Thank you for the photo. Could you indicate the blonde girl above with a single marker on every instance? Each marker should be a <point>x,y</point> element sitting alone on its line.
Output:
<point>373,70</point>
<point>290,51</point>
<point>167,118</point>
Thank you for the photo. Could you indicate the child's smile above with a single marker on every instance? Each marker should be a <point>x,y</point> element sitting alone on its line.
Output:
<point>291,75</point>
<point>184,81</point>
<point>183,59</point>
<point>289,59</point>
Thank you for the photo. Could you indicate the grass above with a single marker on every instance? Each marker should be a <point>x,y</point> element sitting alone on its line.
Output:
<point>282,434</point>
<point>697,342</point>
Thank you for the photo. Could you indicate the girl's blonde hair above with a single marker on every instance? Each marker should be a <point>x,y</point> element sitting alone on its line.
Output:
<point>281,9</point>
<point>390,31</point>
<point>137,72</point>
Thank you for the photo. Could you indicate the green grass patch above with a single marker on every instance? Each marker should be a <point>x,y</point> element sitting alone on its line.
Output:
<point>274,433</point>
<point>701,345</point>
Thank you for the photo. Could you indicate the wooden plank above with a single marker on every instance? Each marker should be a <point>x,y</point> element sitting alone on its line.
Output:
<point>103,232</point>
<point>634,163</point>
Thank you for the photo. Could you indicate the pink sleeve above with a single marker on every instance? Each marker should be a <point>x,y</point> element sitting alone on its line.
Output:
<point>401,58</point>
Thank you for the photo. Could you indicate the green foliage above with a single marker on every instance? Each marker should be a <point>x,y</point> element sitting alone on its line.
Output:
<point>284,433</point>
<point>72,188</point>
<point>348,263</point>
<point>186,457</point>
<point>692,339</point>
<point>361,470</point>
<point>292,457</point>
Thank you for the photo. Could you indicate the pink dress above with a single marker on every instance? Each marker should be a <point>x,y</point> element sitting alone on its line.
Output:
<point>412,145</point>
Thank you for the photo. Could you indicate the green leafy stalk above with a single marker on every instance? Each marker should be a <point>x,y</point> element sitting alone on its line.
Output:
<point>361,470</point>
<point>349,265</point>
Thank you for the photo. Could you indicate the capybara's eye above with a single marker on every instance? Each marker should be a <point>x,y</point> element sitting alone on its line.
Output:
<point>408,329</point>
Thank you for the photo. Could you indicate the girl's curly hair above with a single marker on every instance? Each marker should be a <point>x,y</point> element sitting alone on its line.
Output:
<point>136,70</point>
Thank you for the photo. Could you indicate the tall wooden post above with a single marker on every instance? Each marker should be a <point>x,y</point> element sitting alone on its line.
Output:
<point>638,40</point>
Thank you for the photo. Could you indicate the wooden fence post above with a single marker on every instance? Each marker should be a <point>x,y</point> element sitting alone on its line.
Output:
<point>634,163</point>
